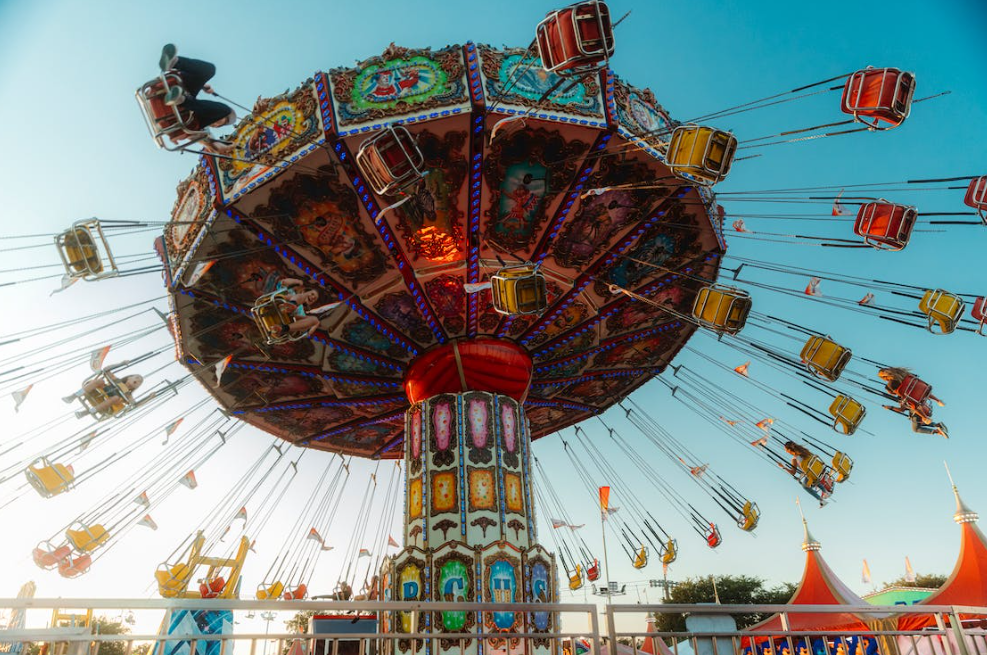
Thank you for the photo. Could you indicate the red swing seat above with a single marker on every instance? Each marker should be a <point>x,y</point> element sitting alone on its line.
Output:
<point>48,556</point>
<point>299,593</point>
<point>73,568</point>
<point>880,95</point>
<point>576,39</point>
<point>979,314</point>
<point>593,572</point>
<point>885,225</point>
<point>976,196</point>
<point>212,588</point>
<point>163,121</point>
<point>713,537</point>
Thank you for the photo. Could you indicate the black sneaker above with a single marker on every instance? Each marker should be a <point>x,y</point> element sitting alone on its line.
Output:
<point>169,55</point>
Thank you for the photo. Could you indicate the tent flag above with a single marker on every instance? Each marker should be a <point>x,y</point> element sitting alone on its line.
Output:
<point>909,571</point>
<point>556,523</point>
<point>364,553</point>
<point>812,289</point>
<point>604,500</point>
<point>19,396</point>
<point>867,300</point>
<point>865,575</point>
<point>97,357</point>
<point>143,500</point>
<point>739,226</point>
<point>189,480</point>
<point>742,369</point>
<point>838,208</point>
<point>221,368</point>
<point>170,430</point>
<point>85,440</point>
<point>314,535</point>
<point>148,522</point>
<point>241,514</point>
<point>391,542</point>
<point>765,424</point>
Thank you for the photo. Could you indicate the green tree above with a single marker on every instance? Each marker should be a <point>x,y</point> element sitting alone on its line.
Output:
<point>927,580</point>
<point>106,626</point>
<point>731,589</point>
<point>299,622</point>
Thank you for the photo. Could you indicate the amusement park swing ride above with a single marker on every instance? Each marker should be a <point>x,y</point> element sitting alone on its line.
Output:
<point>439,256</point>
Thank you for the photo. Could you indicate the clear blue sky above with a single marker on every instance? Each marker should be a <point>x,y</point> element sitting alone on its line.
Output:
<point>74,146</point>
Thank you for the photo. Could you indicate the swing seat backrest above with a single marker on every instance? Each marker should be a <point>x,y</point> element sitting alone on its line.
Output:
<point>824,357</point>
<point>593,572</point>
<point>847,414</point>
<point>48,557</point>
<point>943,309</point>
<point>879,94</point>
<point>713,538</point>
<point>842,465</point>
<point>885,225</point>
<point>914,390</point>
<point>701,152</point>
<point>750,516</point>
<point>812,469</point>
<point>270,592</point>
<point>175,124</point>
<point>87,538</point>
<point>212,588</point>
<point>300,592</point>
<point>671,552</point>
<point>80,252</point>
<point>173,579</point>
<point>576,581</point>
<point>721,309</point>
<point>576,39</point>
<point>641,559</point>
<point>519,290</point>
<point>271,313</point>
<point>50,479</point>
<point>390,160</point>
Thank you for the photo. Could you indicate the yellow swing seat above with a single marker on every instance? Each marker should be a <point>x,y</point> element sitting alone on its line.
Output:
<point>173,579</point>
<point>269,592</point>
<point>704,153</point>
<point>671,552</point>
<point>944,310</point>
<point>49,479</point>
<point>84,251</point>
<point>641,559</point>
<point>825,358</point>
<point>813,469</point>
<point>519,290</point>
<point>750,516</point>
<point>842,465</point>
<point>847,414</point>
<point>271,313</point>
<point>576,579</point>
<point>721,309</point>
<point>85,538</point>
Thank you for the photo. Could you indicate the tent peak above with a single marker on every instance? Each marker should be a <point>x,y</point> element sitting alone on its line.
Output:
<point>963,513</point>
<point>809,543</point>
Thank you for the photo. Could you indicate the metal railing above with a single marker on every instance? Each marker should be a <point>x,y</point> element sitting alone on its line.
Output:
<point>710,629</point>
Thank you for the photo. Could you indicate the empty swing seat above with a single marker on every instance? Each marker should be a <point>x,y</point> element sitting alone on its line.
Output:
<point>944,310</point>
<point>212,588</point>
<point>671,552</point>
<point>170,127</point>
<point>713,537</point>
<point>85,538</point>
<point>576,579</point>
<point>299,593</point>
<point>269,592</point>
<point>390,160</point>
<point>271,313</point>
<point>48,556</point>
<point>842,465</point>
<point>979,313</point>
<point>876,95</point>
<point>885,225</point>
<point>722,309</point>
<point>85,252</point>
<point>50,479</point>
<point>750,516</point>
<point>847,414</point>
<point>519,290</point>
<point>74,567</point>
<point>641,559</point>
<point>976,196</point>
<point>576,39</point>
<point>593,572</point>
<point>825,358</point>
<point>173,579</point>
<point>704,153</point>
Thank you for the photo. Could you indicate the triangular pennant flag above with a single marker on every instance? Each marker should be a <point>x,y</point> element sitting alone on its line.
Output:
<point>225,532</point>
<point>198,271</point>
<point>604,499</point>
<point>664,569</point>
<point>170,430</point>
<point>392,543</point>
<point>251,546</point>
<point>909,571</point>
<point>314,535</point>
<point>189,480</point>
<point>364,553</point>
<point>19,396</point>
<point>867,300</point>
<point>147,521</point>
<point>142,499</point>
<point>221,368</point>
<point>476,287</point>
<point>865,574</point>
<point>728,421</point>
<point>241,514</point>
<point>576,527</point>
<point>86,440</point>
<point>699,470</point>
<point>838,208</point>
<point>742,369</point>
<point>739,225</point>
<point>97,357</point>
<point>558,524</point>
<point>812,289</point>
<point>65,284</point>
<point>325,547</point>
<point>613,510</point>
<point>763,441</point>
<point>765,424</point>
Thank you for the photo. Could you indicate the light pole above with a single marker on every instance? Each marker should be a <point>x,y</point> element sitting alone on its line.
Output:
<point>268,617</point>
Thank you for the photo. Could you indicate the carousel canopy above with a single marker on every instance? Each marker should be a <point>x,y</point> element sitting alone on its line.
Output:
<point>575,183</point>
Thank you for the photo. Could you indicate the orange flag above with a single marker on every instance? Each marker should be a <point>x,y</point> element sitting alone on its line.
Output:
<point>604,499</point>
<point>742,369</point>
